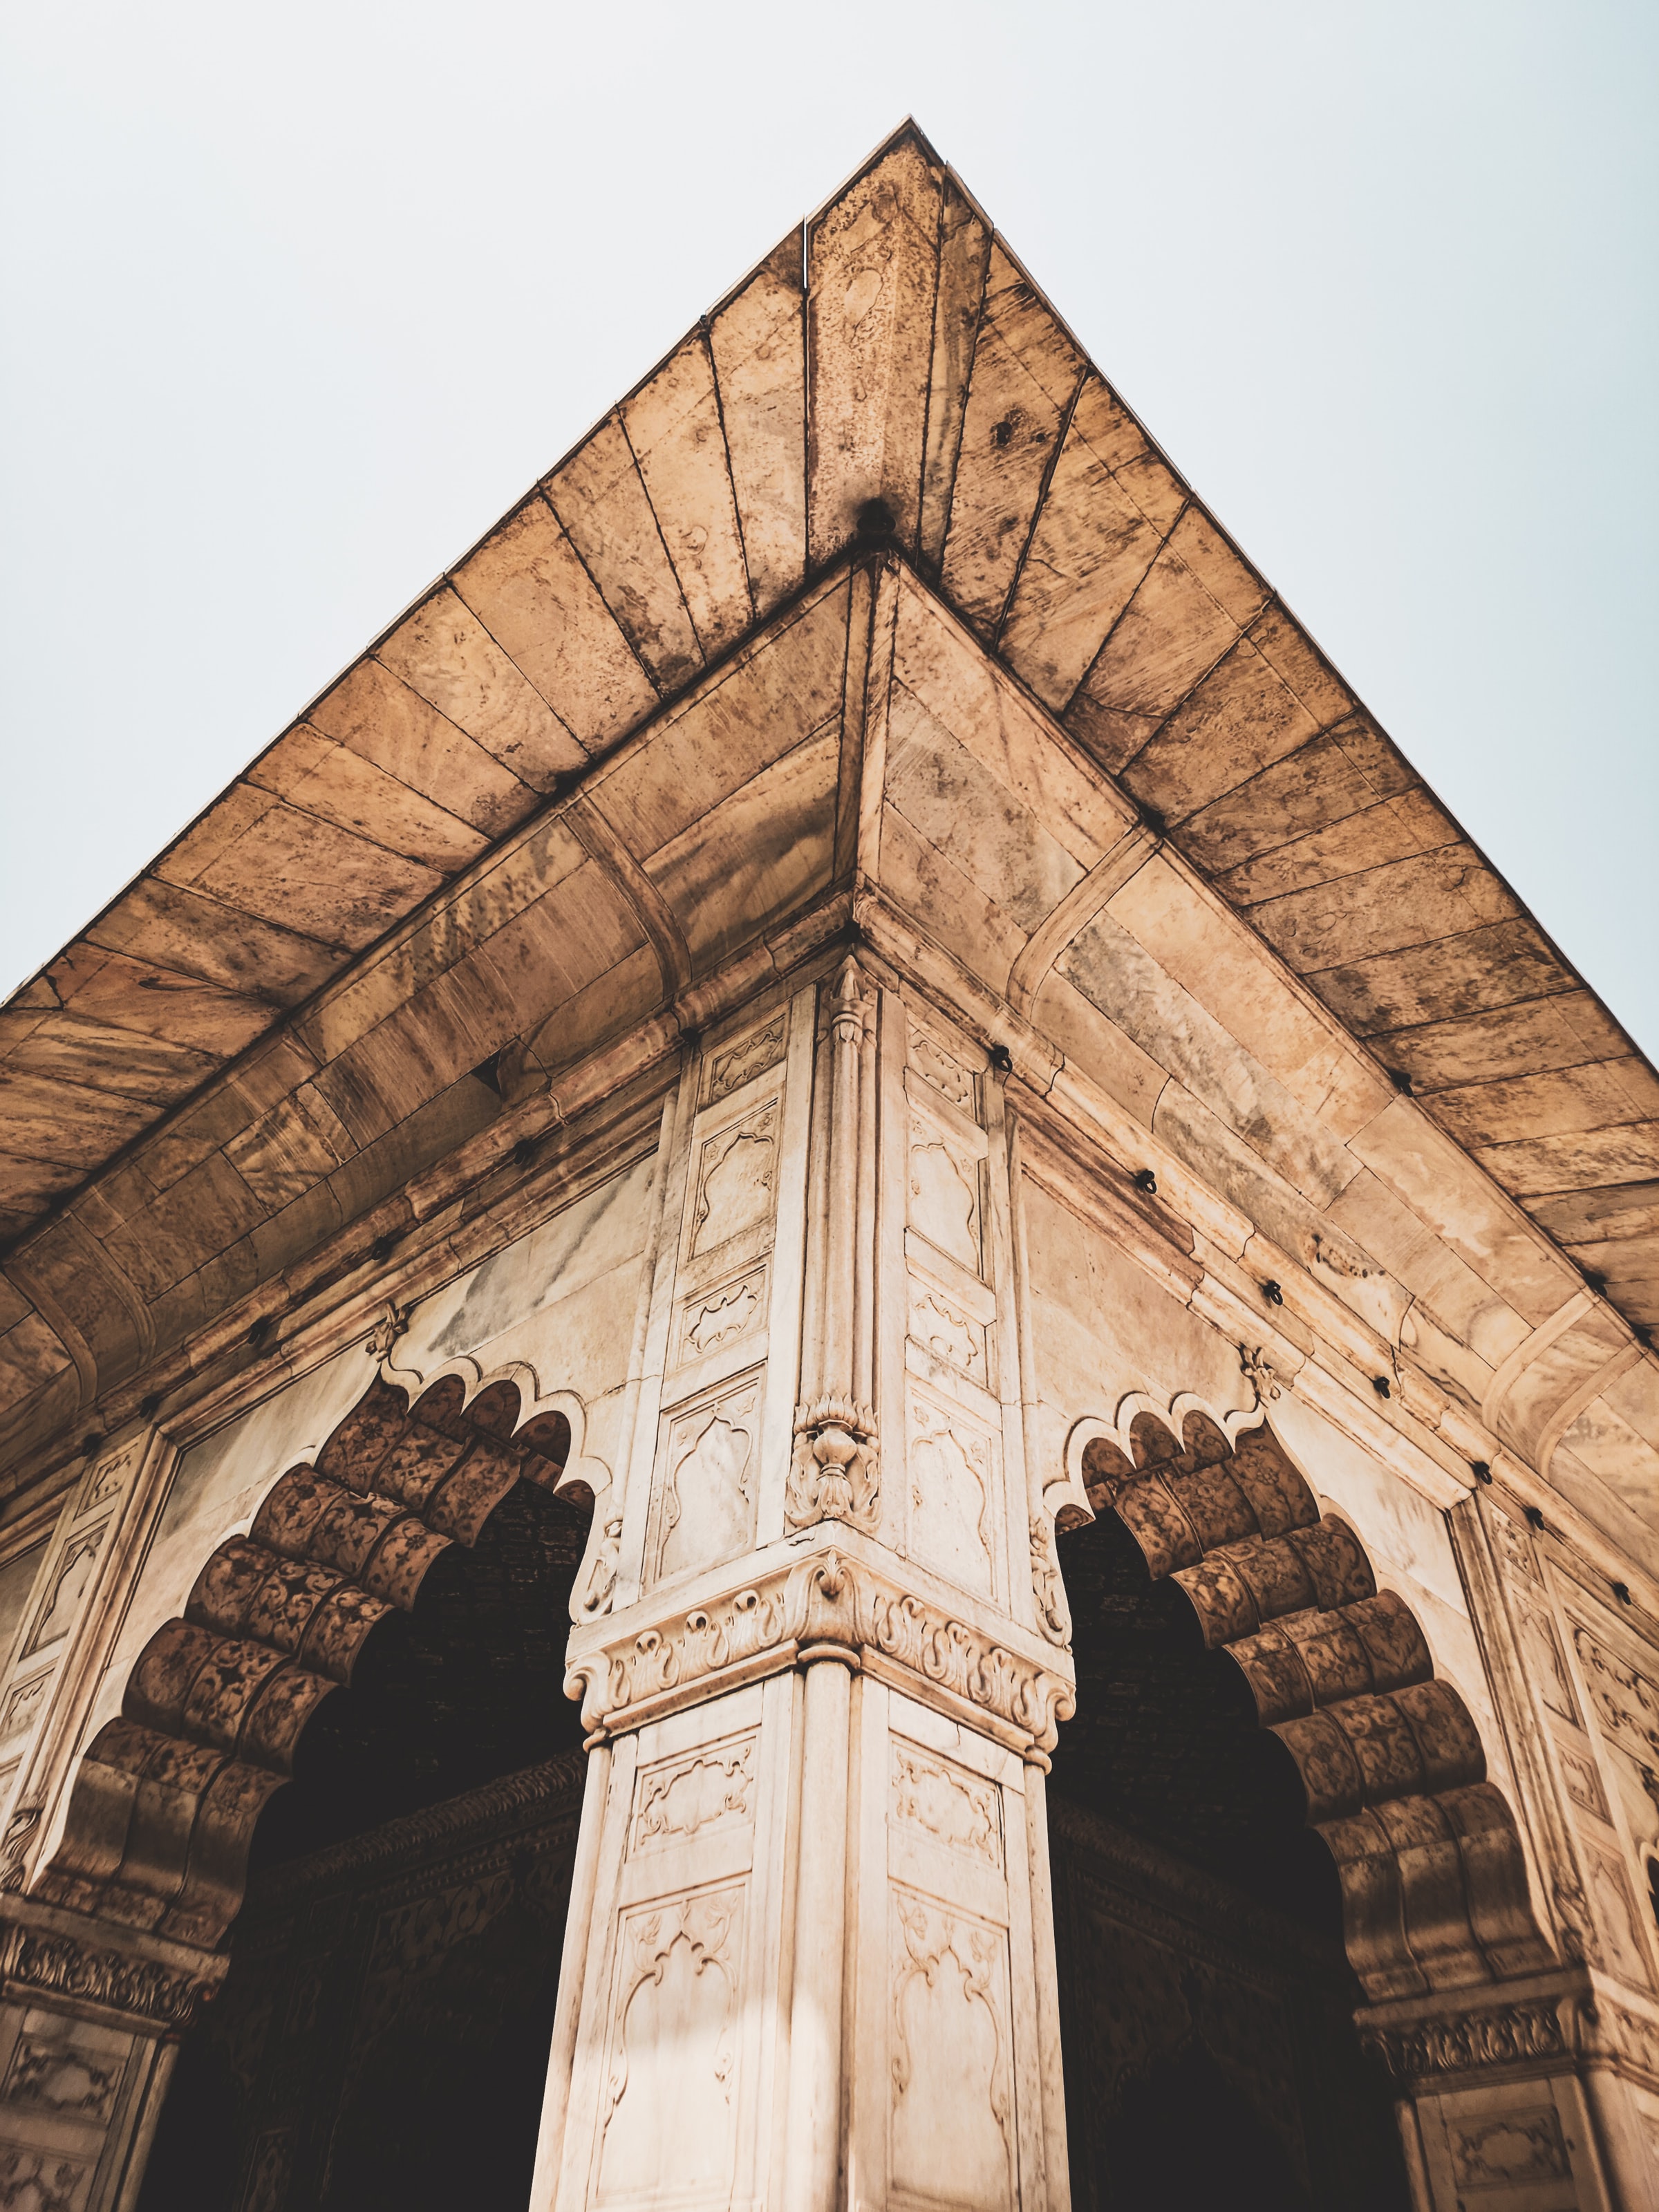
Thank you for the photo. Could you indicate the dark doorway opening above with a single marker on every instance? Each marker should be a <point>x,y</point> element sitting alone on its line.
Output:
<point>381,2038</point>
<point>1206,2001</point>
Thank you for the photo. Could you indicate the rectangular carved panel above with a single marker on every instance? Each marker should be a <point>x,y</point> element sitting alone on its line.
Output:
<point>944,1072</point>
<point>724,1315</point>
<point>953,1490</point>
<point>736,1186</point>
<point>677,1799</point>
<point>933,1795</point>
<point>1508,2148</point>
<point>668,2112</point>
<point>1545,1663</point>
<point>729,1066</point>
<point>943,1326</point>
<point>951,2136</point>
<point>1626,1702</point>
<point>944,1200</point>
<point>704,1509</point>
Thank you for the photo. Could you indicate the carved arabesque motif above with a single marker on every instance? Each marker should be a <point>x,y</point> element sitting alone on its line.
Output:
<point>951,2133</point>
<point>164,1801</point>
<point>668,2122</point>
<point>1433,1879</point>
<point>961,1810</point>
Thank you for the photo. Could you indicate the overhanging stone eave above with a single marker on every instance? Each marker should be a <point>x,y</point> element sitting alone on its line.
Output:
<point>1067,504</point>
<point>553,804</point>
<point>512,1078</point>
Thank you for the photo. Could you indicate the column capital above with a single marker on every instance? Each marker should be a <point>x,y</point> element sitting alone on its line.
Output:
<point>829,1587</point>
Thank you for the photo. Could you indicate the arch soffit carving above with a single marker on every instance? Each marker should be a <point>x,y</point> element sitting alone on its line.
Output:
<point>1433,1875</point>
<point>164,1801</point>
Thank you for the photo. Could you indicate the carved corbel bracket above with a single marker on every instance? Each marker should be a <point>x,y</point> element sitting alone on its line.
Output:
<point>392,1324</point>
<point>835,1473</point>
<point>1260,1373</point>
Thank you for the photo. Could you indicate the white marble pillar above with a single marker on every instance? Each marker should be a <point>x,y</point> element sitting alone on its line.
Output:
<point>816,1963</point>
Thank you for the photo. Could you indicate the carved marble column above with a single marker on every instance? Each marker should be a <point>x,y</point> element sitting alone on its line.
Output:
<point>816,1967</point>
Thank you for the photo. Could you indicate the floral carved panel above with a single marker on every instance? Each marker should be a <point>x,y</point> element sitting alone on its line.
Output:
<point>961,1811</point>
<point>952,1484</point>
<point>951,2137</point>
<point>705,1509</point>
<point>668,2126</point>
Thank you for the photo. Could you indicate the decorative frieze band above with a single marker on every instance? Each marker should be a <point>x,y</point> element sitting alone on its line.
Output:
<point>824,1602</point>
<point>42,1958</point>
<point>1506,2035</point>
<point>1566,2026</point>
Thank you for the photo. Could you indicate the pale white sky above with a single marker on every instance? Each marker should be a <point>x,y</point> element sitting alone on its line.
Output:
<point>298,297</point>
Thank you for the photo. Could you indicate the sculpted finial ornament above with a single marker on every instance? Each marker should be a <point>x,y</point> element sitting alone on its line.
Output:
<point>392,1324</point>
<point>1259,1371</point>
<point>836,1472</point>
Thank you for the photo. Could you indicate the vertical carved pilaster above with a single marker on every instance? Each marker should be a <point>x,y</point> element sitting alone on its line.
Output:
<point>835,1471</point>
<point>1053,1611</point>
<point>813,2155</point>
<point>1545,1827</point>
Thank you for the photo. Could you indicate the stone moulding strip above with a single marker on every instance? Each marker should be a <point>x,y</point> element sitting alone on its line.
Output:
<point>823,1602</point>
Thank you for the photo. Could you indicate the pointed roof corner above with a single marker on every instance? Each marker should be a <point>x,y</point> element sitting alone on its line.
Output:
<point>891,356</point>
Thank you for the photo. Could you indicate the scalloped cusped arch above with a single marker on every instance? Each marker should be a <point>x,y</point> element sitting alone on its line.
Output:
<point>164,1806</point>
<point>1433,1878</point>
